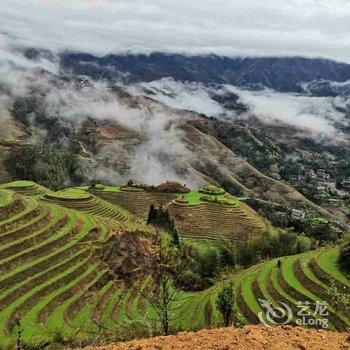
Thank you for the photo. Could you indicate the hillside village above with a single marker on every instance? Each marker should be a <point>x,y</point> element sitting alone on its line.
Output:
<point>322,182</point>
<point>321,187</point>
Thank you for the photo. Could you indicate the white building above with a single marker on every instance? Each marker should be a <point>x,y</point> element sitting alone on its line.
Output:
<point>297,214</point>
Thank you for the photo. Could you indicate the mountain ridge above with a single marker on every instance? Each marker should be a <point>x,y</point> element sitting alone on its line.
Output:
<point>287,74</point>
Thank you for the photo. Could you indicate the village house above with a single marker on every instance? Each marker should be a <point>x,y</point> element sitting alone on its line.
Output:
<point>341,194</point>
<point>297,214</point>
<point>334,202</point>
<point>331,185</point>
<point>311,175</point>
<point>320,188</point>
<point>321,174</point>
<point>346,185</point>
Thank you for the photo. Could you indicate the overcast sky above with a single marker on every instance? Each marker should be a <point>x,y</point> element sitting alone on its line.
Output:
<point>316,28</point>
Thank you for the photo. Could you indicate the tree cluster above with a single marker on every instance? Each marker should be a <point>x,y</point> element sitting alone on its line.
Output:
<point>245,250</point>
<point>344,258</point>
<point>48,166</point>
<point>160,217</point>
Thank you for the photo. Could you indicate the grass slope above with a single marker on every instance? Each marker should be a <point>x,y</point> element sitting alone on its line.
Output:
<point>52,282</point>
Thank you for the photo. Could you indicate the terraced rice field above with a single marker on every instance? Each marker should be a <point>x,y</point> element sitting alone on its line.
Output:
<point>43,252</point>
<point>136,202</point>
<point>295,281</point>
<point>302,278</point>
<point>49,278</point>
<point>54,287</point>
<point>211,221</point>
<point>79,199</point>
<point>26,188</point>
<point>196,219</point>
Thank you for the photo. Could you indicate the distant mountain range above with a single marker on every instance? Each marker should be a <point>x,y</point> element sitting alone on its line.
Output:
<point>316,77</point>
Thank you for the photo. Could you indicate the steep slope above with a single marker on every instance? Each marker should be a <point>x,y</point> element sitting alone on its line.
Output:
<point>213,221</point>
<point>64,278</point>
<point>52,283</point>
<point>147,141</point>
<point>9,130</point>
<point>203,160</point>
<point>194,218</point>
<point>209,157</point>
<point>4,155</point>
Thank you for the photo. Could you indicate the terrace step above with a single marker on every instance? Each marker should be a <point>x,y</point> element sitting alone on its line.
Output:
<point>92,205</point>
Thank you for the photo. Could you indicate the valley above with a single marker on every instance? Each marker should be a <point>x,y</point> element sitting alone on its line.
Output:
<point>174,176</point>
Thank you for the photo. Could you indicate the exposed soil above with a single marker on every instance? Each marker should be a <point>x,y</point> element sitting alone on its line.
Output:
<point>248,338</point>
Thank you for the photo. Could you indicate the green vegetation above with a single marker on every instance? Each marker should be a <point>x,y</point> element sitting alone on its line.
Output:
<point>225,303</point>
<point>344,258</point>
<point>65,281</point>
<point>26,188</point>
<point>327,261</point>
<point>161,218</point>
<point>212,195</point>
<point>193,198</point>
<point>70,193</point>
<point>212,190</point>
<point>320,229</point>
<point>48,166</point>
<point>19,184</point>
<point>112,189</point>
<point>5,198</point>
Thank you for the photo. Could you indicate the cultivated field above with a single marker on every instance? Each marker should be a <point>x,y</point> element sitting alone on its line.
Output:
<point>54,288</point>
<point>204,215</point>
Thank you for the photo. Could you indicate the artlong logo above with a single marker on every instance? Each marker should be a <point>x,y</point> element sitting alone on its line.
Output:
<point>309,314</point>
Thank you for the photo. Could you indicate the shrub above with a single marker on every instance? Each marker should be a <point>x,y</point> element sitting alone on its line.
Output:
<point>189,280</point>
<point>225,303</point>
<point>339,299</point>
<point>170,187</point>
<point>48,166</point>
<point>344,258</point>
<point>212,190</point>
<point>161,218</point>
<point>215,199</point>
<point>323,230</point>
<point>304,244</point>
<point>207,260</point>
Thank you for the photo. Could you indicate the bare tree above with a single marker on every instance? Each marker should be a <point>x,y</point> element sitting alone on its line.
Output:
<point>161,297</point>
<point>162,292</point>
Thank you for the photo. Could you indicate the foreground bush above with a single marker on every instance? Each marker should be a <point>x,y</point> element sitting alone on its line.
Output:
<point>344,259</point>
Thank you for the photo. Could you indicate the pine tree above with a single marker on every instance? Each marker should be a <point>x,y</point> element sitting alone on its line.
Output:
<point>152,215</point>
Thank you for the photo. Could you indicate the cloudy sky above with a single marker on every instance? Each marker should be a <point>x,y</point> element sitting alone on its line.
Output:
<point>316,28</point>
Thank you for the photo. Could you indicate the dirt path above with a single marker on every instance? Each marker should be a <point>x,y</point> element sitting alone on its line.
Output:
<point>248,338</point>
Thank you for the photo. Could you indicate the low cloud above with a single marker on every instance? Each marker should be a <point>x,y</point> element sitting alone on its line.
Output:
<point>189,96</point>
<point>153,159</point>
<point>250,28</point>
<point>316,114</point>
